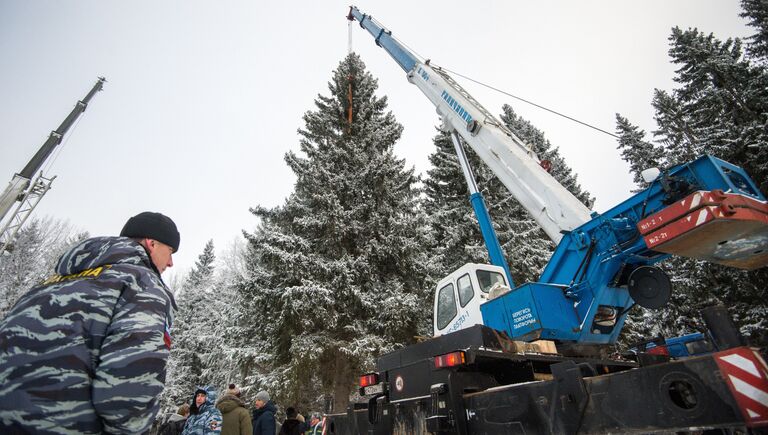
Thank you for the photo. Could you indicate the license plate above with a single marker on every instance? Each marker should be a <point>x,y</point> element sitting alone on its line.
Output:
<point>374,389</point>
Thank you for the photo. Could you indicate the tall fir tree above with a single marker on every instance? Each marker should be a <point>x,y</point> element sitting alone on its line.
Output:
<point>721,103</point>
<point>202,273</point>
<point>32,257</point>
<point>455,229</point>
<point>635,150</point>
<point>194,342</point>
<point>756,11</point>
<point>225,304</point>
<point>720,107</point>
<point>339,270</point>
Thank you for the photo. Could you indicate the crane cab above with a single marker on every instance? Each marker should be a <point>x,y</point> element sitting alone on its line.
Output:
<point>459,295</point>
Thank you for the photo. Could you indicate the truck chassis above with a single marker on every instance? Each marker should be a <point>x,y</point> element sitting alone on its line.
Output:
<point>499,391</point>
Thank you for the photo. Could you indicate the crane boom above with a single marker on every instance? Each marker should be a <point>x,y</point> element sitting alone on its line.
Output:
<point>553,207</point>
<point>20,186</point>
<point>56,136</point>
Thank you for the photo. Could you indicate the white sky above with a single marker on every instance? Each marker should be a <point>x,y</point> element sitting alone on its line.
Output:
<point>204,98</point>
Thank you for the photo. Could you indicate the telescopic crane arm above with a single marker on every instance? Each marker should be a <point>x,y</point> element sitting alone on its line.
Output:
<point>57,135</point>
<point>554,208</point>
<point>17,189</point>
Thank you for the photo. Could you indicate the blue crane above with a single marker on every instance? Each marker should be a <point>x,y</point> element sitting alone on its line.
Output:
<point>604,263</point>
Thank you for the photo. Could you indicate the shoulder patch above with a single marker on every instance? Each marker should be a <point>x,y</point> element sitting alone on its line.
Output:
<point>167,335</point>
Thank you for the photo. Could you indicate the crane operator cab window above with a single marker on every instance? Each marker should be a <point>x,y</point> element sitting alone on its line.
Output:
<point>466,292</point>
<point>488,279</point>
<point>446,306</point>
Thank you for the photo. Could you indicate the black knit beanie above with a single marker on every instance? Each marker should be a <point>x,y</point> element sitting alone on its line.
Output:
<point>193,408</point>
<point>153,226</point>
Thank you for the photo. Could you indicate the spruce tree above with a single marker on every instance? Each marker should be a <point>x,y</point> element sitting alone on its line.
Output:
<point>538,142</point>
<point>225,304</point>
<point>756,11</point>
<point>15,278</point>
<point>194,341</point>
<point>456,232</point>
<point>340,268</point>
<point>722,103</point>
<point>635,150</point>
<point>202,273</point>
<point>32,257</point>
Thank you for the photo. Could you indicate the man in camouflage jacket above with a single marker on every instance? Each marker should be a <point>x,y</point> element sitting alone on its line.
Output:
<point>204,418</point>
<point>85,351</point>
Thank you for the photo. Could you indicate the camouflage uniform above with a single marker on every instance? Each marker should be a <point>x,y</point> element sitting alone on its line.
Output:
<point>85,351</point>
<point>208,419</point>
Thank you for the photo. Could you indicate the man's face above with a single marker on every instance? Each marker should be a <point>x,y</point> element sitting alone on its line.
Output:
<point>314,421</point>
<point>160,253</point>
<point>259,403</point>
<point>200,399</point>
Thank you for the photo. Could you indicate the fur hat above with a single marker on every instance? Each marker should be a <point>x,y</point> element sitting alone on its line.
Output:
<point>233,390</point>
<point>263,396</point>
<point>153,226</point>
<point>183,409</point>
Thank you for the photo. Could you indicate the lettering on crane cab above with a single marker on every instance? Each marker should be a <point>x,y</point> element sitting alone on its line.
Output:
<point>460,321</point>
<point>521,318</point>
<point>456,106</point>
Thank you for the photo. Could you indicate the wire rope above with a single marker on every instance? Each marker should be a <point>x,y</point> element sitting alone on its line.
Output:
<point>531,103</point>
<point>49,164</point>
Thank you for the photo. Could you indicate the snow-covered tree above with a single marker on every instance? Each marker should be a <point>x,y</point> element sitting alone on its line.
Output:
<point>538,142</point>
<point>202,273</point>
<point>756,11</point>
<point>722,103</point>
<point>640,154</point>
<point>456,232</point>
<point>33,256</point>
<point>223,365</point>
<point>338,271</point>
<point>193,336</point>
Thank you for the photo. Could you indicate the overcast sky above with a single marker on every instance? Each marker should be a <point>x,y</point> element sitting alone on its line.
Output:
<point>204,98</point>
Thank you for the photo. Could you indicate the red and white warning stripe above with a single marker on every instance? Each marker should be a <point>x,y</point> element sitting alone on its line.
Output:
<point>679,209</point>
<point>687,223</point>
<point>747,376</point>
<point>700,199</point>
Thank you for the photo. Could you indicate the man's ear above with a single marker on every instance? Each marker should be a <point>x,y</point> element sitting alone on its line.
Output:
<point>148,244</point>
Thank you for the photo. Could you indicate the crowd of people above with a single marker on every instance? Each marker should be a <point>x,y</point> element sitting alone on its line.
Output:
<point>229,415</point>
